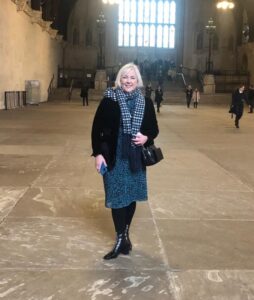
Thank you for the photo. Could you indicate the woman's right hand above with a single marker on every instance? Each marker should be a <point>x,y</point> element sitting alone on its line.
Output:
<point>99,159</point>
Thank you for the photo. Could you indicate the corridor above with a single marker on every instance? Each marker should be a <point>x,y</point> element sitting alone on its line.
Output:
<point>193,239</point>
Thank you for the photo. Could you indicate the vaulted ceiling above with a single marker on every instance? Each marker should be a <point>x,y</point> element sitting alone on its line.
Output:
<point>58,12</point>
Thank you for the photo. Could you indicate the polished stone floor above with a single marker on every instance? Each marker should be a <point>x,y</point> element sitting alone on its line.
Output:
<point>193,239</point>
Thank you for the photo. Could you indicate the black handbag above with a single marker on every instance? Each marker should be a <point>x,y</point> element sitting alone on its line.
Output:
<point>151,155</point>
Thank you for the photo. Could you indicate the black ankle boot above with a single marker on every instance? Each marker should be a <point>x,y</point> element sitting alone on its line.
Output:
<point>120,246</point>
<point>127,238</point>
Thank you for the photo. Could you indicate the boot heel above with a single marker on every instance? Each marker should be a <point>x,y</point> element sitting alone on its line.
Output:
<point>119,247</point>
<point>125,251</point>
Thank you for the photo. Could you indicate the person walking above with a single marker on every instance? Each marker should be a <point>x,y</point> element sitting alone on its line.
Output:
<point>158,97</point>
<point>188,92</point>
<point>148,91</point>
<point>251,99</point>
<point>237,105</point>
<point>124,122</point>
<point>196,98</point>
<point>84,92</point>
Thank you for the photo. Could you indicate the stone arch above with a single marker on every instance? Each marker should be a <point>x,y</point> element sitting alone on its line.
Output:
<point>215,42</point>
<point>75,36</point>
<point>89,37</point>
<point>200,40</point>
<point>231,43</point>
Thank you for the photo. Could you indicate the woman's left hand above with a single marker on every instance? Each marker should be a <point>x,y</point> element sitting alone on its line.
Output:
<point>140,139</point>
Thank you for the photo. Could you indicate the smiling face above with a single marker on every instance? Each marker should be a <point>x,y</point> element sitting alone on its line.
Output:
<point>129,81</point>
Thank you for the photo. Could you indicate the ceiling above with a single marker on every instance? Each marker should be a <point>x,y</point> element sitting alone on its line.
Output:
<point>56,11</point>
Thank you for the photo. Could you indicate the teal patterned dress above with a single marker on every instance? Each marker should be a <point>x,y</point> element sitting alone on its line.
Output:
<point>122,187</point>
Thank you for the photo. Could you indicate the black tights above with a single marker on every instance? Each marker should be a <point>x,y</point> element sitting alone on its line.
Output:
<point>123,216</point>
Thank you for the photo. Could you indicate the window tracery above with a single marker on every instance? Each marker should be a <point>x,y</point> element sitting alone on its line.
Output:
<point>146,23</point>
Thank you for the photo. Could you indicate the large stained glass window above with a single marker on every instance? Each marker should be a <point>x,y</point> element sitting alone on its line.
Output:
<point>146,23</point>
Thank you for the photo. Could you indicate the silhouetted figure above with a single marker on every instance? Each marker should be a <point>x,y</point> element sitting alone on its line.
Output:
<point>251,99</point>
<point>158,97</point>
<point>237,106</point>
<point>84,93</point>
<point>148,91</point>
<point>188,93</point>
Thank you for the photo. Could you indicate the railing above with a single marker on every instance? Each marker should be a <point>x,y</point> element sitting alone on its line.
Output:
<point>51,86</point>
<point>182,77</point>
<point>14,99</point>
<point>227,83</point>
<point>70,90</point>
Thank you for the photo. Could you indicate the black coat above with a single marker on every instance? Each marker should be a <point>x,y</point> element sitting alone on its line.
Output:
<point>158,96</point>
<point>106,127</point>
<point>189,93</point>
<point>238,100</point>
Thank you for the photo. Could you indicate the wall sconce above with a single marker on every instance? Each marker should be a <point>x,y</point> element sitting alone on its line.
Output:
<point>225,4</point>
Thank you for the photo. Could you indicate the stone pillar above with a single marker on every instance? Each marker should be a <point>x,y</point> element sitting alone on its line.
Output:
<point>100,82</point>
<point>209,84</point>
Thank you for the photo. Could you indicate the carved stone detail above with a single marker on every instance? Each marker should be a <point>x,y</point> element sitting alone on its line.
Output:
<point>20,4</point>
<point>52,32</point>
<point>59,37</point>
<point>36,17</point>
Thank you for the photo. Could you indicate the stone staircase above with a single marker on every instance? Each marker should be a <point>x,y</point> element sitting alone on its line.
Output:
<point>172,95</point>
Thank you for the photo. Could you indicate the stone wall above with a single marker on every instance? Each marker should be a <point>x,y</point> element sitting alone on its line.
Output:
<point>26,52</point>
<point>197,14</point>
<point>247,51</point>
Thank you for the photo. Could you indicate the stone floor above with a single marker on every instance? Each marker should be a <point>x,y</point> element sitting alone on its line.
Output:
<point>193,239</point>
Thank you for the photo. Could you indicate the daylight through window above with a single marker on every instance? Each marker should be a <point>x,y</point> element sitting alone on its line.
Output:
<point>146,23</point>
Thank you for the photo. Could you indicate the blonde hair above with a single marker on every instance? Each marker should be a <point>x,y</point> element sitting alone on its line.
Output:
<point>125,69</point>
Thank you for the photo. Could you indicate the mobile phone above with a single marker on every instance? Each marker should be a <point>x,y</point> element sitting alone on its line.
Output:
<point>103,169</point>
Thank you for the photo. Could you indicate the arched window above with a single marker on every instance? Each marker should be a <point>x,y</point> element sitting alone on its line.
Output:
<point>126,35</point>
<point>215,42</point>
<point>120,34</point>
<point>172,33</point>
<point>231,43</point>
<point>147,23</point>
<point>89,37</point>
<point>140,35</point>
<point>75,37</point>
<point>200,41</point>
<point>133,35</point>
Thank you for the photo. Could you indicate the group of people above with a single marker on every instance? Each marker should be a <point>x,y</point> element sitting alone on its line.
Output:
<point>192,96</point>
<point>158,95</point>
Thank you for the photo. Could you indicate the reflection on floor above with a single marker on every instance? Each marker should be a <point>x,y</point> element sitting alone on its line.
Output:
<point>193,239</point>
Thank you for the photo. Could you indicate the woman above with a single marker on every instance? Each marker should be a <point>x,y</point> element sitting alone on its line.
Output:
<point>158,97</point>
<point>123,123</point>
<point>196,98</point>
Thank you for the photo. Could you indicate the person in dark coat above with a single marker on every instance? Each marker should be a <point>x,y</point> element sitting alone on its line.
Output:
<point>148,91</point>
<point>123,123</point>
<point>239,97</point>
<point>188,92</point>
<point>158,97</point>
<point>84,93</point>
<point>251,99</point>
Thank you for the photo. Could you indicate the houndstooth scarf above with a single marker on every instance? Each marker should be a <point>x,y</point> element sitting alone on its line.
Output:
<point>131,124</point>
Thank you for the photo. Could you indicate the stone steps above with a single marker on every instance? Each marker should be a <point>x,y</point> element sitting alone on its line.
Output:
<point>170,97</point>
